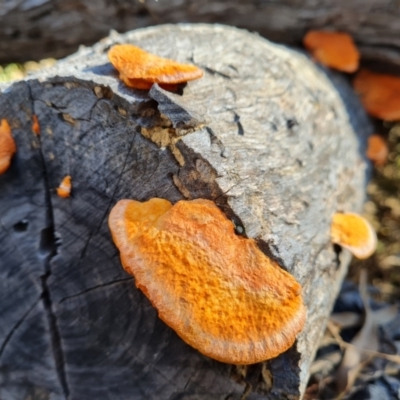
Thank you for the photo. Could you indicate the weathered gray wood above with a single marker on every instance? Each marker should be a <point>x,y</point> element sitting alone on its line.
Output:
<point>266,134</point>
<point>34,29</point>
<point>26,334</point>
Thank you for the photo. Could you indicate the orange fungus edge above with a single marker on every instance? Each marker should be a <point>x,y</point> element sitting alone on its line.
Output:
<point>355,233</point>
<point>201,276</point>
<point>139,69</point>
<point>64,190</point>
<point>7,146</point>
<point>333,49</point>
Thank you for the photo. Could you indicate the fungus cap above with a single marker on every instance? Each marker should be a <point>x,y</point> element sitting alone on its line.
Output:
<point>7,146</point>
<point>377,150</point>
<point>354,233</point>
<point>140,69</point>
<point>333,49</point>
<point>217,290</point>
<point>64,190</point>
<point>380,94</point>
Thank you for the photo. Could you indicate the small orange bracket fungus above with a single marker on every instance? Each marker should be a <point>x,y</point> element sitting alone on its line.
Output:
<point>377,150</point>
<point>333,49</point>
<point>139,69</point>
<point>7,146</point>
<point>35,125</point>
<point>380,94</point>
<point>64,190</point>
<point>217,290</point>
<point>354,233</point>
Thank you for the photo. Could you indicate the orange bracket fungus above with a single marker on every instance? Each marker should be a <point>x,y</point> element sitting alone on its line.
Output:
<point>7,146</point>
<point>354,233</point>
<point>35,125</point>
<point>333,49</point>
<point>377,150</point>
<point>139,69</point>
<point>380,94</point>
<point>64,190</point>
<point>217,290</point>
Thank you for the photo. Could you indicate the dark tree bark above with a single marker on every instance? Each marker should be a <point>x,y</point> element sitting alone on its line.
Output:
<point>34,29</point>
<point>274,141</point>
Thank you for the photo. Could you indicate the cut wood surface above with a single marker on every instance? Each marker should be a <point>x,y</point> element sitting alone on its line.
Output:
<point>276,142</point>
<point>34,29</point>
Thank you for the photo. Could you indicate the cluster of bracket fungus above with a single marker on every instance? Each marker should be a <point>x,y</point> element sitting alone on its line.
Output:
<point>354,233</point>
<point>380,96</point>
<point>379,93</point>
<point>140,70</point>
<point>333,49</point>
<point>217,290</point>
<point>7,146</point>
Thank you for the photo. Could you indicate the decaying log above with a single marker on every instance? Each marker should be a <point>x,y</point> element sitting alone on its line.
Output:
<point>34,29</point>
<point>273,140</point>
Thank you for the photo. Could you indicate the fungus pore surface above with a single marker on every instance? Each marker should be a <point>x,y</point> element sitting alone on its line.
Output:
<point>217,290</point>
<point>140,69</point>
<point>7,146</point>
<point>354,233</point>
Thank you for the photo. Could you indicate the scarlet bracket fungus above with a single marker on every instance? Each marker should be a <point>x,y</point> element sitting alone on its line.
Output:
<point>380,94</point>
<point>377,150</point>
<point>35,125</point>
<point>354,233</point>
<point>139,69</point>
<point>7,146</point>
<point>333,49</point>
<point>217,290</point>
<point>64,190</point>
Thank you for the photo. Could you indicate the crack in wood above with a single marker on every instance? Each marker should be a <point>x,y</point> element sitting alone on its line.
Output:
<point>213,71</point>
<point>111,200</point>
<point>236,119</point>
<point>16,326</point>
<point>116,282</point>
<point>48,247</point>
<point>247,390</point>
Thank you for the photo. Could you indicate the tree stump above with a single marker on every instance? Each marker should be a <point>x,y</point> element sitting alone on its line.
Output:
<point>276,142</point>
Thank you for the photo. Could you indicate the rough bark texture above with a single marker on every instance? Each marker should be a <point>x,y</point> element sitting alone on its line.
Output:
<point>34,29</point>
<point>271,138</point>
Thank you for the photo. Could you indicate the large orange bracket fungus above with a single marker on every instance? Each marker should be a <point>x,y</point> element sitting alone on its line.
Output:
<point>333,49</point>
<point>354,233</point>
<point>7,146</point>
<point>217,290</point>
<point>140,69</point>
<point>380,94</point>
